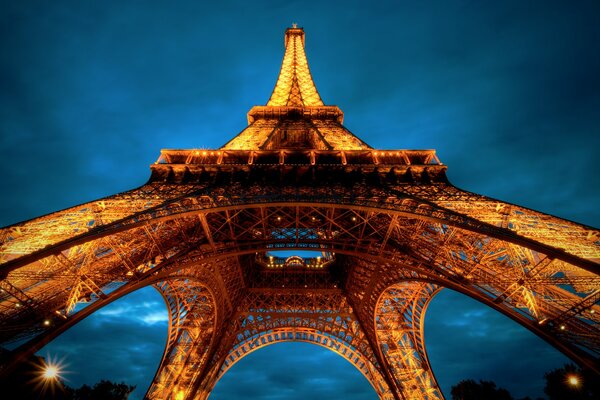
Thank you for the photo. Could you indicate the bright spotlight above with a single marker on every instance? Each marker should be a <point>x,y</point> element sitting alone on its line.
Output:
<point>573,380</point>
<point>51,372</point>
<point>50,376</point>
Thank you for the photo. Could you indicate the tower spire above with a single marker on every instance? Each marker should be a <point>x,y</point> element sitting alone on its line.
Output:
<point>295,86</point>
<point>295,116</point>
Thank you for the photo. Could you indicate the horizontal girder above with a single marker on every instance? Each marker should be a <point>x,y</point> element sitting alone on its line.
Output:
<point>401,206</point>
<point>324,227</point>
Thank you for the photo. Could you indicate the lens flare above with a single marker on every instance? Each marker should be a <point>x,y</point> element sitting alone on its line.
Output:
<point>51,372</point>
<point>573,380</point>
<point>49,375</point>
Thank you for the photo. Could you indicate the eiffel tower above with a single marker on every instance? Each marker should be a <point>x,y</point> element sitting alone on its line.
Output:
<point>377,232</point>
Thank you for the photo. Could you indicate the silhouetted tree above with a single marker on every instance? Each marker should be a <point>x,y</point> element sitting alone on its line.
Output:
<point>471,390</point>
<point>103,390</point>
<point>570,382</point>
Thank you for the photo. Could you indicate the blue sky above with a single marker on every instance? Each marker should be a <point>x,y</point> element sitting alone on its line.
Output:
<point>507,92</point>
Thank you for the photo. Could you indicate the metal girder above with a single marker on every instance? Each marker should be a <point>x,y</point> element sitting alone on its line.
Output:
<point>399,329</point>
<point>522,279</point>
<point>422,209</point>
<point>192,323</point>
<point>497,268</point>
<point>322,317</point>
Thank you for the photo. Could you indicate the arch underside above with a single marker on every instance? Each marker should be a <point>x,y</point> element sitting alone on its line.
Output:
<point>325,318</point>
<point>539,270</point>
<point>308,335</point>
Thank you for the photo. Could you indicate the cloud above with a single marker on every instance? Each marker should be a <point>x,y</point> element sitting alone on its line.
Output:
<point>146,312</point>
<point>122,342</point>
<point>467,340</point>
<point>293,370</point>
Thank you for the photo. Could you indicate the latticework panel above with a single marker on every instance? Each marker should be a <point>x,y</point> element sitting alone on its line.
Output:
<point>53,286</point>
<point>36,234</point>
<point>399,329</point>
<point>379,238</point>
<point>338,136</point>
<point>296,134</point>
<point>317,316</point>
<point>579,240</point>
<point>253,136</point>
<point>294,85</point>
<point>360,227</point>
<point>521,283</point>
<point>192,324</point>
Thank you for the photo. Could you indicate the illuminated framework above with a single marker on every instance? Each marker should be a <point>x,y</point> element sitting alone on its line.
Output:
<point>390,229</point>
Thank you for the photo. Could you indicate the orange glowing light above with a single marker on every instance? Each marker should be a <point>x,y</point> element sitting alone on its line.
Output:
<point>49,376</point>
<point>573,380</point>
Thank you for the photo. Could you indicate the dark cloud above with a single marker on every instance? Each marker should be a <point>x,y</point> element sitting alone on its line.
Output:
<point>293,370</point>
<point>124,341</point>
<point>507,93</point>
<point>459,330</point>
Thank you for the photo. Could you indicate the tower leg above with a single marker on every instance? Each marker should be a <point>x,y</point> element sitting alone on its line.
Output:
<point>192,319</point>
<point>399,330</point>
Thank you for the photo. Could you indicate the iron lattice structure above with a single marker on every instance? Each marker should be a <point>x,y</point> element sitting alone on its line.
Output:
<point>390,229</point>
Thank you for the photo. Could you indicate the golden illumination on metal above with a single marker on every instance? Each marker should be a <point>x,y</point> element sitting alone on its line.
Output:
<point>295,86</point>
<point>399,330</point>
<point>389,229</point>
<point>295,116</point>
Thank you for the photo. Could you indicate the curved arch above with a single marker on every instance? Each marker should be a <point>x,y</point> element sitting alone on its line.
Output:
<point>503,278</point>
<point>346,241</point>
<point>375,240</point>
<point>149,279</point>
<point>410,208</point>
<point>402,263</point>
<point>544,332</point>
<point>308,335</point>
<point>494,271</point>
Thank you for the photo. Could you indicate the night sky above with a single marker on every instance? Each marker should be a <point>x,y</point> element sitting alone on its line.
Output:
<point>507,92</point>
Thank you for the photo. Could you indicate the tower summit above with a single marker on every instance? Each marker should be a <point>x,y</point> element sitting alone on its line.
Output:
<point>295,116</point>
<point>295,87</point>
<point>390,232</point>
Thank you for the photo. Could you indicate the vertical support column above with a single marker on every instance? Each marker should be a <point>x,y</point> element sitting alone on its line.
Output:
<point>399,329</point>
<point>192,320</point>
